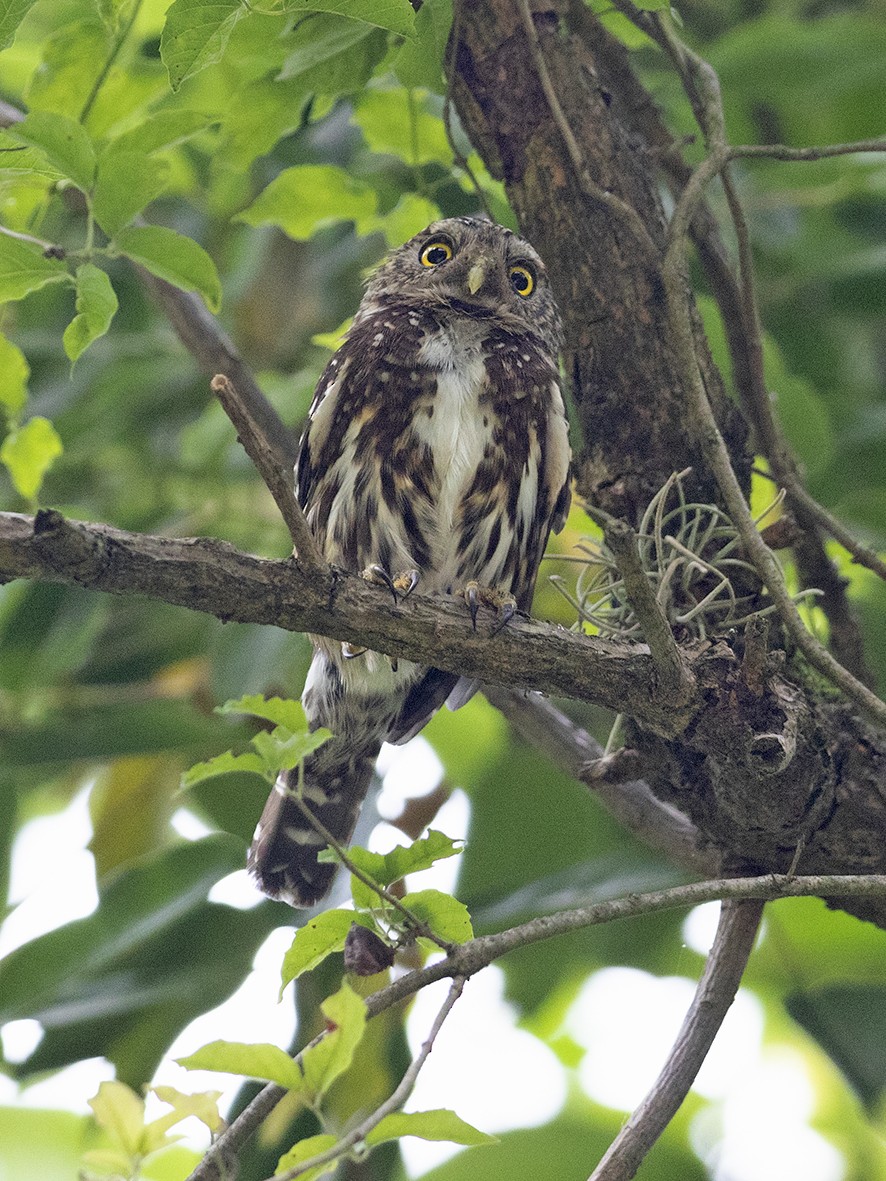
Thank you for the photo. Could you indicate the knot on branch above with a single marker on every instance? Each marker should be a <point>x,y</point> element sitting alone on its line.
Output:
<point>753,772</point>
<point>81,554</point>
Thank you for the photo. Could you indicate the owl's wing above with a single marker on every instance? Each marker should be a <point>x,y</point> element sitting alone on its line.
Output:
<point>307,460</point>
<point>425,698</point>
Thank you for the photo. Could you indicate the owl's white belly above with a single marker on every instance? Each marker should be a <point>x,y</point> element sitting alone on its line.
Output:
<point>457,438</point>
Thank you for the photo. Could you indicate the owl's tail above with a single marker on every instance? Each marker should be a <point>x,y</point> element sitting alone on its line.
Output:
<point>284,850</point>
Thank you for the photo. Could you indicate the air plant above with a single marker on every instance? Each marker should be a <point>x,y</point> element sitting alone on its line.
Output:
<point>691,553</point>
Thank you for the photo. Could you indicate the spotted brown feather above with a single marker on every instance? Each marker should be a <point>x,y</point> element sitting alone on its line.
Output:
<point>437,441</point>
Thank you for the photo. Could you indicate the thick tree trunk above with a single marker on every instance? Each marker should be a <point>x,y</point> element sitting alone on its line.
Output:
<point>624,376</point>
<point>771,764</point>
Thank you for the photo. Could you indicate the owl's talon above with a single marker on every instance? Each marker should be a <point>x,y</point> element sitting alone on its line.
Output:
<point>501,601</point>
<point>406,582</point>
<point>506,611</point>
<point>349,651</point>
<point>472,598</point>
<point>380,577</point>
<point>401,585</point>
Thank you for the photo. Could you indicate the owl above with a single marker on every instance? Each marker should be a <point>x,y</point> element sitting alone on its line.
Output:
<point>436,455</point>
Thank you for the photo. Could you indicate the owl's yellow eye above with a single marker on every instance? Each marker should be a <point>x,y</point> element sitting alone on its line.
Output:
<point>522,280</point>
<point>435,253</point>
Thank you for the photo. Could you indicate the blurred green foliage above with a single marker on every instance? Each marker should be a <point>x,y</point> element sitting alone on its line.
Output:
<point>276,153</point>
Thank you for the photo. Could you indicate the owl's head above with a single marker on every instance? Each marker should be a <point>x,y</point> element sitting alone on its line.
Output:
<point>473,267</point>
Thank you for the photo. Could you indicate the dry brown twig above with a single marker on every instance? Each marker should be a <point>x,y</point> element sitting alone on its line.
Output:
<point>278,482</point>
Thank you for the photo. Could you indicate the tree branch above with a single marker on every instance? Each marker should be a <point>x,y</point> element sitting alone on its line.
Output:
<point>277,479</point>
<point>469,958</point>
<point>214,352</point>
<point>673,676</point>
<point>392,1104</point>
<point>738,926</point>
<point>716,453</point>
<point>654,822</point>
<point>212,576</point>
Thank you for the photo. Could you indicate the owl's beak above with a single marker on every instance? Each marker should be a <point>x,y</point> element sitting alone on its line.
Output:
<point>477,275</point>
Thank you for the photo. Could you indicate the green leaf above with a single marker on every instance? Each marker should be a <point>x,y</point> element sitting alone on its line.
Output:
<point>446,916</point>
<point>196,34</point>
<point>14,373</point>
<point>849,1021</point>
<point>16,160</point>
<point>123,982</point>
<point>25,268</point>
<point>303,1151</point>
<point>395,15</point>
<point>317,39</point>
<point>282,711</point>
<point>121,1113</point>
<point>12,13</point>
<point>282,751</point>
<point>137,914</point>
<point>317,939</point>
<point>260,1060</point>
<point>163,130</point>
<point>420,61</point>
<point>173,257</point>
<point>222,765</point>
<point>410,215</point>
<point>111,1161</point>
<point>439,1124</point>
<point>28,454</point>
<point>322,1064</point>
<point>65,143</point>
<point>302,199</point>
<point>390,124</point>
<point>73,56</point>
<point>203,1106</point>
<point>385,868</point>
<point>128,181</point>
<point>39,1144</point>
<point>96,305</point>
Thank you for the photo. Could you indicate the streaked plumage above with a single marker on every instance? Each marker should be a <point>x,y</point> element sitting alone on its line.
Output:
<point>437,441</point>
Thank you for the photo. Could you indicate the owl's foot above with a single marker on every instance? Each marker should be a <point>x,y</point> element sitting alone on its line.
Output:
<point>349,651</point>
<point>401,585</point>
<point>501,601</point>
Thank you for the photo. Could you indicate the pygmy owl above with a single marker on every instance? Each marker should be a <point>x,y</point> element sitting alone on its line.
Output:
<point>436,453</point>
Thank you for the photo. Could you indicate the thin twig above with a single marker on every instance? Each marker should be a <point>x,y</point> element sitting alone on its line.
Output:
<point>861,554</point>
<point>394,1103</point>
<point>716,453</point>
<point>469,958</point>
<point>214,352</point>
<point>415,924</point>
<point>50,249</point>
<point>739,922</point>
<point>718,460</point>
<point>815,152</point>
<point>625,212</point>
<point>675,679</point>
<point>279,483</point>
<point>775,445</point>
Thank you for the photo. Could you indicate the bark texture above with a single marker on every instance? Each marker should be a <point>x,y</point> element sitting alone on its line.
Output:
<point>771,769</point>
<point>625,381</point>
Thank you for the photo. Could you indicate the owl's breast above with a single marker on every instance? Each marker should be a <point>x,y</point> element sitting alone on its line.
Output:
<point>453,422</point>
